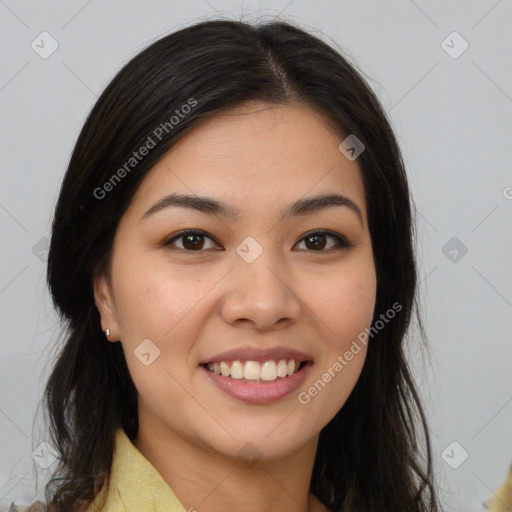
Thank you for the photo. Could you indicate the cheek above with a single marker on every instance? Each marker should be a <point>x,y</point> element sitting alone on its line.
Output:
<point>154,305</point>
<point>343,302</point>
<point>345,309</point>
<point>159,304</point>
<point>152,300</point>
<point>354,298</point>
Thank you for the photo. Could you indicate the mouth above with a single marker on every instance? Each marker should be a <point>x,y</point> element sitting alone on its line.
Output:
<point>255,371</point>
<point>257,382</point>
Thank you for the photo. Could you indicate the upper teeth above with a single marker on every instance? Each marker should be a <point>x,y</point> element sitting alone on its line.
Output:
<point>253,370</point>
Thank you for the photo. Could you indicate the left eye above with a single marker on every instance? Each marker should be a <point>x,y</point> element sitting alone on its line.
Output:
<point>193,240</point>
<point>316,239</point>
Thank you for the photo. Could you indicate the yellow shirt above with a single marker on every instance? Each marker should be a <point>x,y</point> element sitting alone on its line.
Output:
<point>136,485</point>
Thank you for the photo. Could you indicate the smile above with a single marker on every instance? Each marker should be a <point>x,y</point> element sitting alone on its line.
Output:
<point>255,382</point>
<point>267,371</point>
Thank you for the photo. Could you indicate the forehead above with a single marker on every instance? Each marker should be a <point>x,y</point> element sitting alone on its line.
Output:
<point>256,155</point>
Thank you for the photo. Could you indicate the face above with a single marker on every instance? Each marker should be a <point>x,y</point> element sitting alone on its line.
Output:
<point>270,283</point>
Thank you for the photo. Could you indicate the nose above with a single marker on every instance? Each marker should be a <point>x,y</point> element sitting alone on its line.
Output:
<point>261,295</point>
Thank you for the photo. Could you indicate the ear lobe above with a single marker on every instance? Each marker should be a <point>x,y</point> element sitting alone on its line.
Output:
<point>105,305</point>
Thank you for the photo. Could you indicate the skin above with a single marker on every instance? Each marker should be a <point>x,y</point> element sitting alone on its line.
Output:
<point>197,303</point>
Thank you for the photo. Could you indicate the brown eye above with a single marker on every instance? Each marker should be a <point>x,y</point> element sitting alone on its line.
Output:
<point>316,241</point>
<point>191,240</point>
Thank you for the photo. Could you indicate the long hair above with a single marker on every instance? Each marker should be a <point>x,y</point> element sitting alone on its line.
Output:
<point>370,456</point>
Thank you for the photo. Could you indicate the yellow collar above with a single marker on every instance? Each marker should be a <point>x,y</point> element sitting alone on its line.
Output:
<point>135,485</point>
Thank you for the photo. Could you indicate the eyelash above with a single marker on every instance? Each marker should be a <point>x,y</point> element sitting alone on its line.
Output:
<point>343,243</point>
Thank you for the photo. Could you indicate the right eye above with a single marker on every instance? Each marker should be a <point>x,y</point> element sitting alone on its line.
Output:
<point>192,240</point>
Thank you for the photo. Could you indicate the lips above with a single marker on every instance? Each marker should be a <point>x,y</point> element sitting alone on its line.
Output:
<point>257,375</point>
<point>258,354</point>
<point>258,391</point>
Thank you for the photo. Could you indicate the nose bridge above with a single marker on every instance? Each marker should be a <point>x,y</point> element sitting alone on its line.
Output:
<point>260,289</point>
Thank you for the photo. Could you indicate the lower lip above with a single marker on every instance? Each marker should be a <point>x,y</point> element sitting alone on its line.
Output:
<point>259,392</point>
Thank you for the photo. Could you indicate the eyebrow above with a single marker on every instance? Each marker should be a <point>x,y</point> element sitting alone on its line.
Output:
<point>212,206</point>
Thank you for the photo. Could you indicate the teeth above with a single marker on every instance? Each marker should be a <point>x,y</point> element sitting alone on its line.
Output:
<point>269,371</point>
<point>253,370</point>
<point>224,369</point>
<point>237,371</point>
<point>281,368</point>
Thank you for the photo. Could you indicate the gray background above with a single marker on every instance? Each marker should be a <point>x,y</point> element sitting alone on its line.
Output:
<point>452,117</point>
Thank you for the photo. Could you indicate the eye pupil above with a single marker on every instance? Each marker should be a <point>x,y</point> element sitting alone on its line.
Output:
<point>193,245</point>
<point>315,241</point>
<point>316,245</point>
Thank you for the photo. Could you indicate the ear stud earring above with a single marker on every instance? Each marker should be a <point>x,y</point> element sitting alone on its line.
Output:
<point>107,332</point>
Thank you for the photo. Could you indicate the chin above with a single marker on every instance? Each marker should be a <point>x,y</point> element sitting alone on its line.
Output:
<point>261,442</point>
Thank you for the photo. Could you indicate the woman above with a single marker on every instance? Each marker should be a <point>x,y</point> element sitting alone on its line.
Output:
<point>232,251</point>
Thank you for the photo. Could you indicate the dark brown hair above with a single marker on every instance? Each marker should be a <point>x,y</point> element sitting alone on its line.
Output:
<point>369,457</point>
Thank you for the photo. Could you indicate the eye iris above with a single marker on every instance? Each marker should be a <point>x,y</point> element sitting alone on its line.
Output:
<point>188,238</point>
<point>195,241</point>
<point>317,244</point>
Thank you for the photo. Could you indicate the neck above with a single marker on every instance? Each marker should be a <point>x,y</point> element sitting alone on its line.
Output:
<point>208,481</point>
